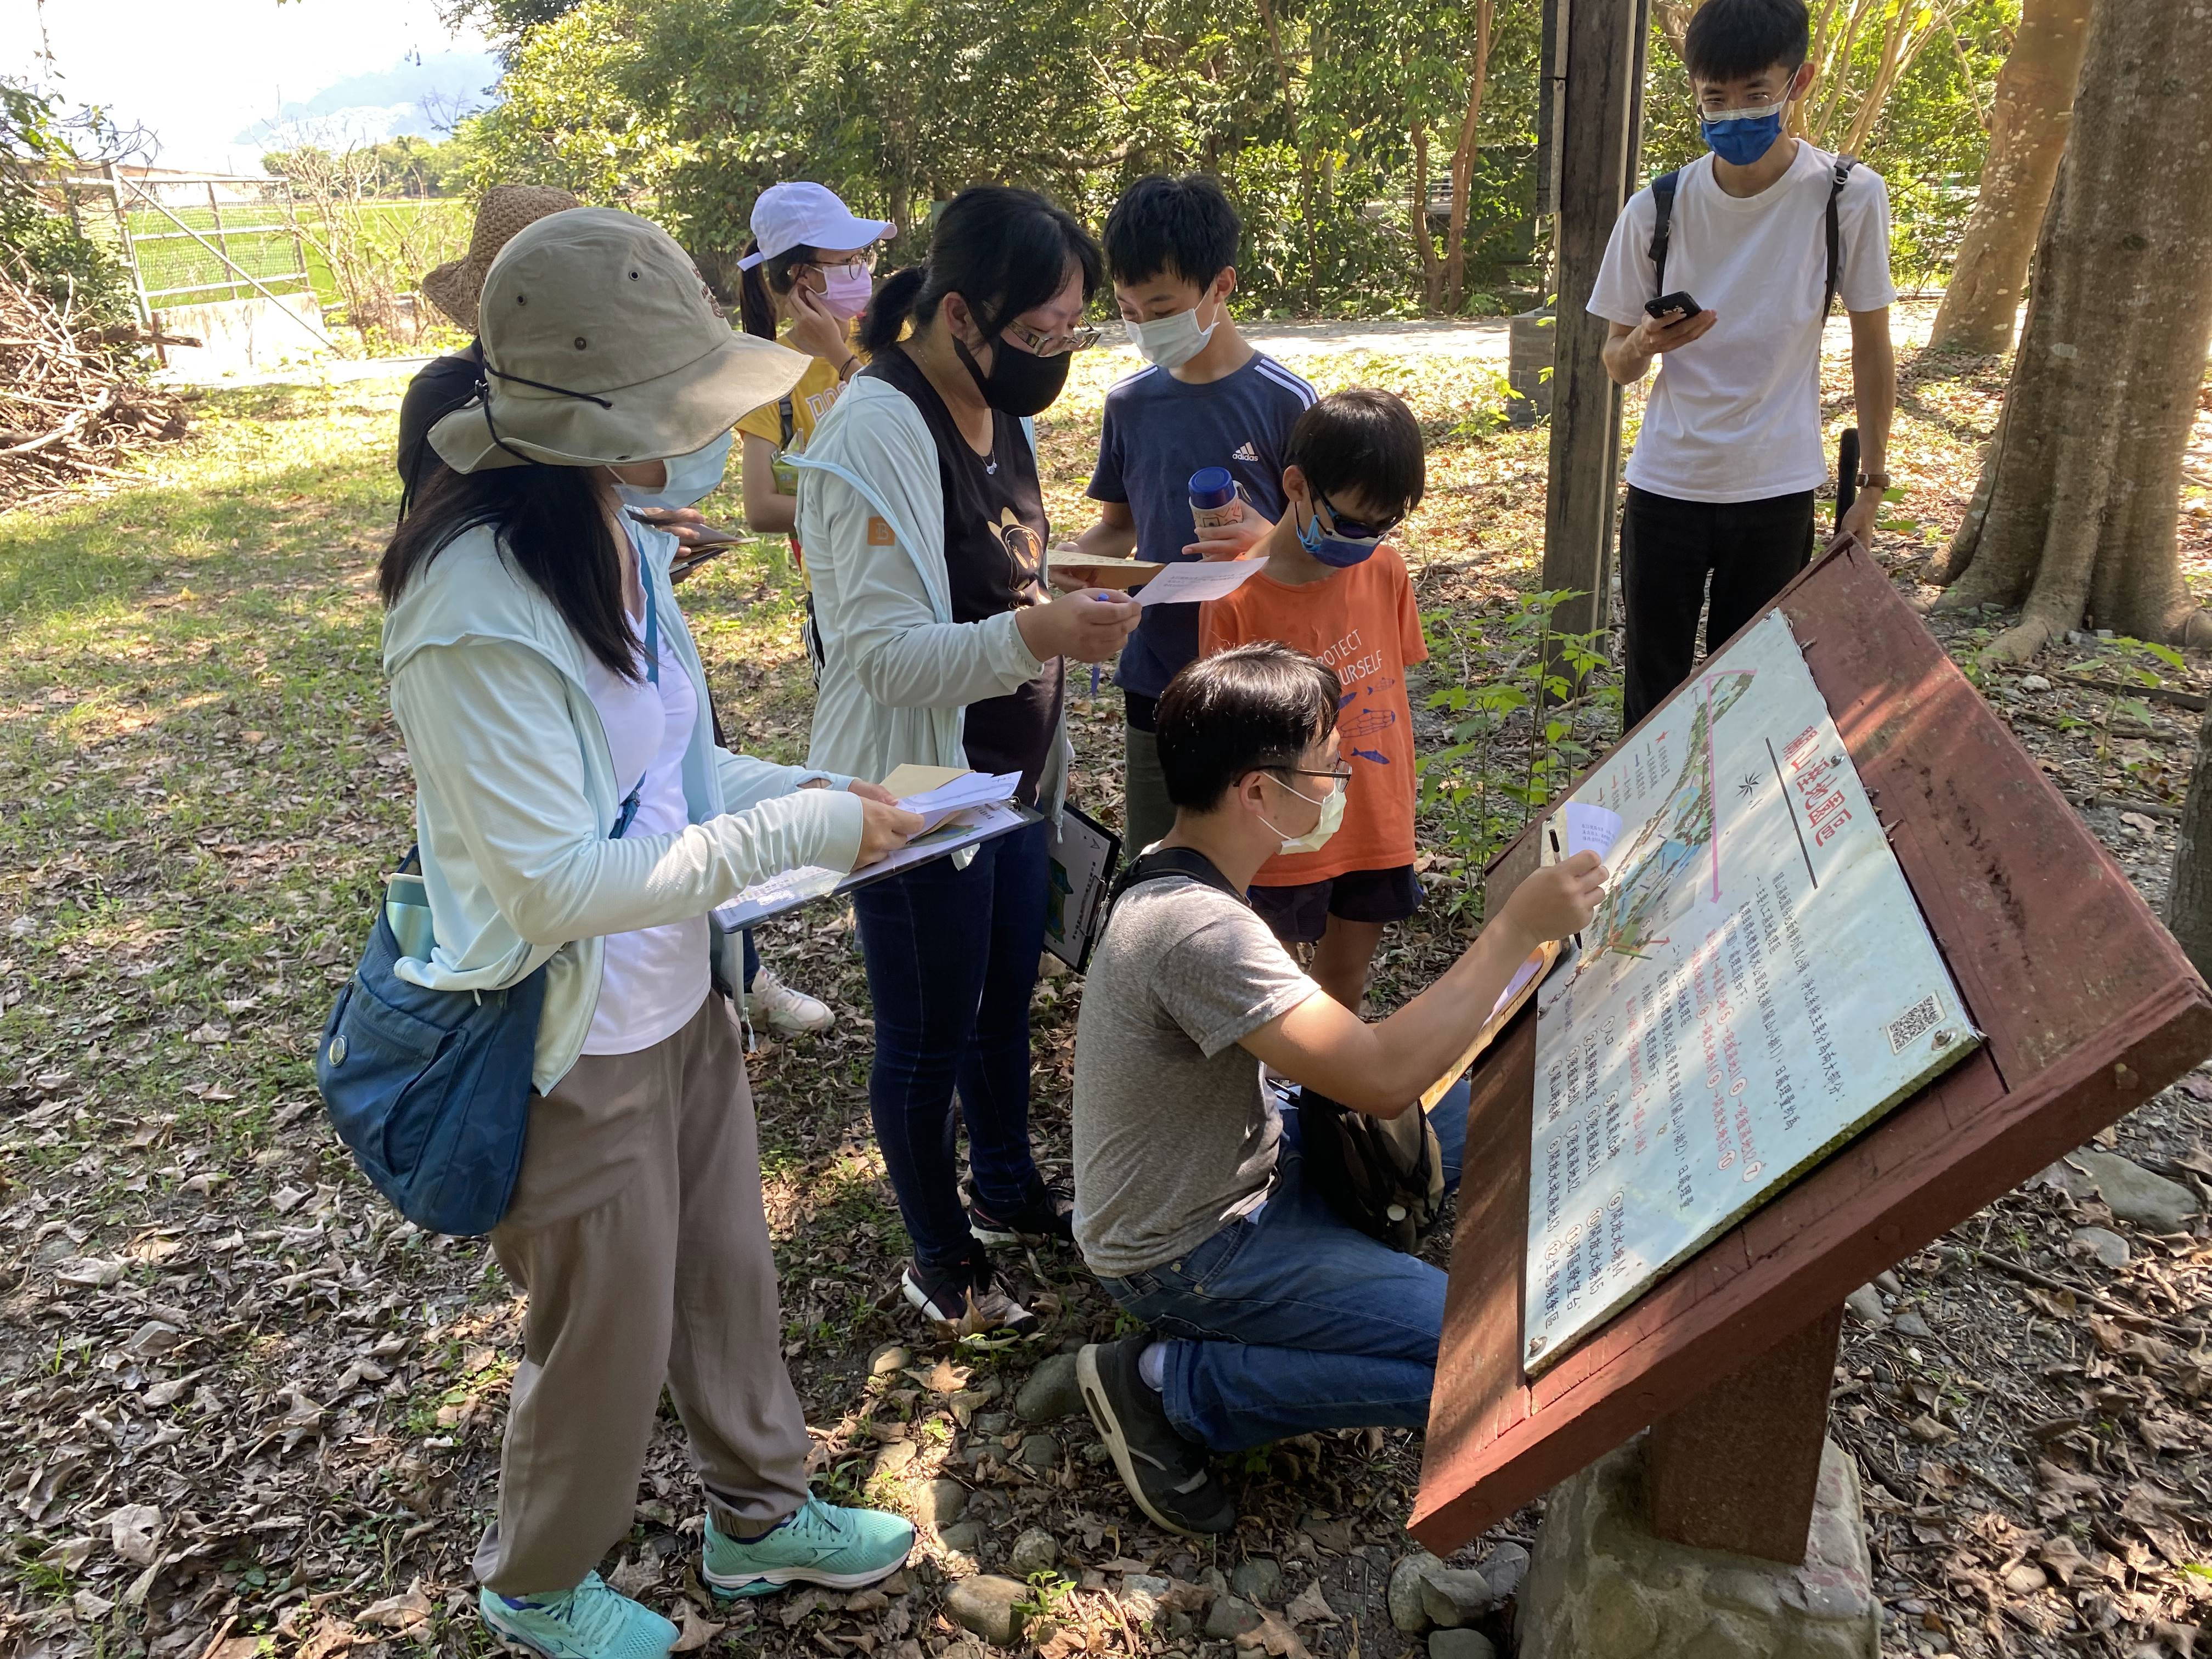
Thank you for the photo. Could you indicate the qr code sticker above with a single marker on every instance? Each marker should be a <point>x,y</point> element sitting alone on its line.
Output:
<point>1914,1022</point>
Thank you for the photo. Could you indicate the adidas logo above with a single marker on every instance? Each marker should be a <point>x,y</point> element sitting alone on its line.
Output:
<point>1244,451</point>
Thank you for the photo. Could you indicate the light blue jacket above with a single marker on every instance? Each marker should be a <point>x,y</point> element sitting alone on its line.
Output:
<point>515,793</point>
<point>899,672</point>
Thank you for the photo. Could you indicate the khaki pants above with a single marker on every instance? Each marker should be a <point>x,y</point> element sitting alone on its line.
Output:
<point>1147,814</point>
<point>637,1230</point>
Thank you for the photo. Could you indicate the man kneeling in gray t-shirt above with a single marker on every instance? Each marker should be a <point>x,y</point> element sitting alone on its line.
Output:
<point>1269,1315</point>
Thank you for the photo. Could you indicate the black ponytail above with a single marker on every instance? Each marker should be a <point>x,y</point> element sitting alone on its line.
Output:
<point>755,309</point>
<point>762,282</point>
<point>551,522</point>
<point>1003,251</point>
<point>890,308</point>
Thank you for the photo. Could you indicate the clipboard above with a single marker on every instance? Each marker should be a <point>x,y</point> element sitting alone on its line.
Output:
<point>794,887</point>
<point>1517,993</point>
<point>1082,857</point>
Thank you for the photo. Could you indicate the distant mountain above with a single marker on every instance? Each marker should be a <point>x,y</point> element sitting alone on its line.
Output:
<point>420,98</point>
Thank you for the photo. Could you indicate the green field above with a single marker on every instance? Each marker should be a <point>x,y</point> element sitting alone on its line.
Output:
<point>398,240</point>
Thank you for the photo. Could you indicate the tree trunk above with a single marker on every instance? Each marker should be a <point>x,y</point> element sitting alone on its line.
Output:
<point>1432,268</point>
<point>2027,134</point>
<point>2082,485</point>
<point>1462,169</point>
<point>1674,17</point>
<point>2189,895</point>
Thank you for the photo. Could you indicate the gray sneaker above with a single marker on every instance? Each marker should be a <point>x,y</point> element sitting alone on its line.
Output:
<point>1168,1475</point>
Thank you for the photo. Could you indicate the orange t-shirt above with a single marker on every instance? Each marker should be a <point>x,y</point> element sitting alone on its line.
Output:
<point>1361,622</point>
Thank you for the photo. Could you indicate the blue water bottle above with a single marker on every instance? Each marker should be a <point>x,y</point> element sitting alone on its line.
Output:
<point>1214,498</point>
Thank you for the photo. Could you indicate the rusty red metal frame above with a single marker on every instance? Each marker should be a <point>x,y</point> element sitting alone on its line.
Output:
<point>2088,1004</point>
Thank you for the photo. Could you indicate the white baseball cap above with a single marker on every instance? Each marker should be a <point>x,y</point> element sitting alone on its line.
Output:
<point>808,215</point>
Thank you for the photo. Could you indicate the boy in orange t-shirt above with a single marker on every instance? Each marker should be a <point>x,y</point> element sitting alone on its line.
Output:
<point>1354,468</point>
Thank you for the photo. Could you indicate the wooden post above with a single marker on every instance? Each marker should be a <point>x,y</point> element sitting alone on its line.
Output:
<point>1601,104</point>
<point>1739,1467</point>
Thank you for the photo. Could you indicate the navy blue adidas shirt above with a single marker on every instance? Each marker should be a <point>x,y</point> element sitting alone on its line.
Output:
<point>1158,431</point>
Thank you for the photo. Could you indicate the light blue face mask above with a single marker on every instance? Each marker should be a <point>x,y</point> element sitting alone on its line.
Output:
<point>1740,136</point>
<point>691,478</point>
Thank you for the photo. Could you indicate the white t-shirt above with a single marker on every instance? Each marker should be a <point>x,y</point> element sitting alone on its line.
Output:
<point>1736,415</point>
<point>655,977</point>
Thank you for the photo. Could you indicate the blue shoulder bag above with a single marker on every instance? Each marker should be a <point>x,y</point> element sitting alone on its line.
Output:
<point>431,1090</point>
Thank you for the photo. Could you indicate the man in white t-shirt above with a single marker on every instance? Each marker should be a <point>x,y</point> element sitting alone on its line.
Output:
<point>1721,482</point>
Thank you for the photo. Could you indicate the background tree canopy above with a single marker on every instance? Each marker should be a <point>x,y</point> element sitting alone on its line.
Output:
<point>1352,133</point>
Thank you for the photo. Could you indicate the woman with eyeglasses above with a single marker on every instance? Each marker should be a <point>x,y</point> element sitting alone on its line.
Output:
<point>808,273</point>
<point>924,526</point>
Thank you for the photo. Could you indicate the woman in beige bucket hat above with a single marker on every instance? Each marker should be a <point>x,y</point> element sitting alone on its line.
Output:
<point>573,814</point>
<point>446,383</point>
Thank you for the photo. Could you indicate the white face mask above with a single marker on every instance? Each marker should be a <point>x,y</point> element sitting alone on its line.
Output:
<point>691,478</point>
<point>1172,342</point>
<point>1332,819</point>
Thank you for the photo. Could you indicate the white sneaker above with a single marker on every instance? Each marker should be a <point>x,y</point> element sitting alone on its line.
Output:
<point>784,1009</point>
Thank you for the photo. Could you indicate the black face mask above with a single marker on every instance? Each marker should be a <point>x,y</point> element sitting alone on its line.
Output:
<point>1020,382</point>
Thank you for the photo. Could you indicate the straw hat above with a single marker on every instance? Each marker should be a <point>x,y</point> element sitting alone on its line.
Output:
<point>455,286</point>
<point>602,345</point>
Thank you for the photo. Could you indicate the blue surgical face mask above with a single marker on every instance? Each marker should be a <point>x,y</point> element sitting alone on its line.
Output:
<point>691,478</point>
<point>1339,550</point>
<point>1740,136</point>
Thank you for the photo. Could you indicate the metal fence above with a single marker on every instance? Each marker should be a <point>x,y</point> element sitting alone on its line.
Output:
<point>190,239</point>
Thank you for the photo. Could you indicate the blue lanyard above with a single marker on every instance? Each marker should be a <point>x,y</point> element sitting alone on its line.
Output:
<point>627,813</point>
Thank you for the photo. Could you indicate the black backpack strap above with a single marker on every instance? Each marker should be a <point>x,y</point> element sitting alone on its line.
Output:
<point>1173,861</point>
<point>786,418</point>
<point>1842,176</point>
<point>1662,223</point>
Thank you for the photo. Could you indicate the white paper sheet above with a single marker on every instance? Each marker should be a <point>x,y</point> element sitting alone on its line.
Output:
<point>963,794</point>
<point>1519,982</point>
<point>1199,579</point>
<point>1590,829</point>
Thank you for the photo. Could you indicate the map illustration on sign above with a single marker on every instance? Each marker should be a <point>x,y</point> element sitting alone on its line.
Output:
<point>1757,987</point>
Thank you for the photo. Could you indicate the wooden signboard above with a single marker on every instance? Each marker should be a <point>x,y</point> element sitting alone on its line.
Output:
<point>2088,1007</point>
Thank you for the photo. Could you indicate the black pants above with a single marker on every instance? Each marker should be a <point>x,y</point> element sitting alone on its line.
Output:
<point>1668,547</point>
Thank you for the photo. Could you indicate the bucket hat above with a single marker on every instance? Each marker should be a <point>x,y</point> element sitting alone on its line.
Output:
<point>455,287</point>
<point>800,215</point>
<point>602,345</point>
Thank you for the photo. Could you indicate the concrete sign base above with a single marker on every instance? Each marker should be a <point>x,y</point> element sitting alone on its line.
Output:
<point>1601,1585</point>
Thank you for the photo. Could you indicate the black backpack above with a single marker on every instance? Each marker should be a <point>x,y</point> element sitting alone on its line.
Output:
<point>1662,204</point>
<point>1384,1176</point>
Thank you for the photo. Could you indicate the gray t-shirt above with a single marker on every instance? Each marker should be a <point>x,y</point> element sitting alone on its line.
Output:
<point>1174,1135</point>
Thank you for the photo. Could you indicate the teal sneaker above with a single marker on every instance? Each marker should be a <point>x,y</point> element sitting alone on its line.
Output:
<point>819,1544</point>
<point>588,1622</point>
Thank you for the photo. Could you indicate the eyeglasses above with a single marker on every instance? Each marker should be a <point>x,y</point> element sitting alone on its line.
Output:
<point>1352,528</point>
<point>1051,345</point>
<point>1343,779</point>
<point>815,275</point>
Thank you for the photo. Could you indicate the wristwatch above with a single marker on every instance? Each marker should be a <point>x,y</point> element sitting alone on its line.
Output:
<point>1874,481</point>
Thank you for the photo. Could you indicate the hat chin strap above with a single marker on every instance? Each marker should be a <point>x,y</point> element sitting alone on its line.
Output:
<point>483,386</point>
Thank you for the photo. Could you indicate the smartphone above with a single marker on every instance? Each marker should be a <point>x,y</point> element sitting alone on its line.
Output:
<point>1680,300</point>
<point>680,567</point>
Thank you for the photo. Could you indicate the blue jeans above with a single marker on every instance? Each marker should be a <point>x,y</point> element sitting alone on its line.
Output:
<point>1292,1320</point>
<point>953,958</point>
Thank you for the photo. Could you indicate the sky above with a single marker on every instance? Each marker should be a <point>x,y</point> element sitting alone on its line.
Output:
<point>201,74</point>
